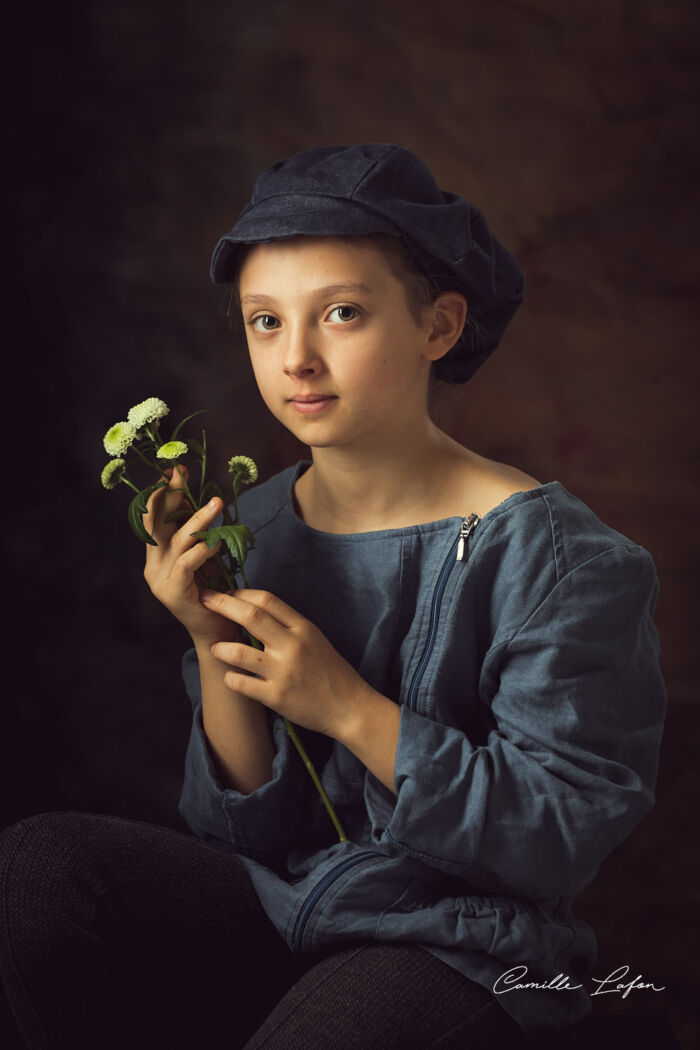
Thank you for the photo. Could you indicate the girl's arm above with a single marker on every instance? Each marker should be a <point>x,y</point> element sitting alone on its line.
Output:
<point>243,788</point>
<point>257,823</point>
<point>370,730</point>
<point>569,768</point>
<point>237,728</point>
<point>302,677</point>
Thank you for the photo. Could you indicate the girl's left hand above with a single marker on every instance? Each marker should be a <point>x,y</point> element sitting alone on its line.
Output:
<point>300,675</point>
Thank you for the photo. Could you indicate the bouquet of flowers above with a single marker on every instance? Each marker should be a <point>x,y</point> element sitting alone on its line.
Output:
<point>137,442</point>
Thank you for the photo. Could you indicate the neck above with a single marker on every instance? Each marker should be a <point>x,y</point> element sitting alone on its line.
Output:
<point>388,487</point>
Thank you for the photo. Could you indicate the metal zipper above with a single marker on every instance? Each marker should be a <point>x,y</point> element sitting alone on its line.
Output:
<point>457,552</point>
<point>320,888</point>
<point>467,527</point>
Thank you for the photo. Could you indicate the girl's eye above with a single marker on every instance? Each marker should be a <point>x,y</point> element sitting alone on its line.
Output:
<point>263,317</point>
<point>269,322</point>
<point>352,309</point>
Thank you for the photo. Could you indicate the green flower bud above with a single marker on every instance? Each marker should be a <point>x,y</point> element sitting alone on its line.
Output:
<point>119,438</point>
<point>113,473</point>
<point>243,469</point>
<point>172,450</point>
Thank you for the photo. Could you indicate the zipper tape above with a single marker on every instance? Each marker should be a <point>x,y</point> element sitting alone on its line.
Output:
<point>457,552</point>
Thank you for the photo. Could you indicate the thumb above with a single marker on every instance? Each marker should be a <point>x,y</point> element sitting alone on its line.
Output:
<point>177,475</point>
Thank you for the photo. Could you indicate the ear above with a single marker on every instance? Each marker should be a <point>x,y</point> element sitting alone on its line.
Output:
<point>448,316</point>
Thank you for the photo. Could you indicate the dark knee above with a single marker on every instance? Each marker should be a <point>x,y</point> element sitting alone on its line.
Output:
<point>44,852</point>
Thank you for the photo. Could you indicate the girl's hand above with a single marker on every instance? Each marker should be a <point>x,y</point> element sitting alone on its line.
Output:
<point>299,674</point>
<point>171,566</point>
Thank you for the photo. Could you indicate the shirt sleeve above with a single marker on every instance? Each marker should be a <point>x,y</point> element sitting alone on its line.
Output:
<point>256,825</point>
<point>577,704</point>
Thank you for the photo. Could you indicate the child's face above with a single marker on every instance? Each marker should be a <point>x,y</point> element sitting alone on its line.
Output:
<point>357,352</point>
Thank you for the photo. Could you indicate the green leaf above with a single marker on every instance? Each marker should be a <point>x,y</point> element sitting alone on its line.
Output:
<point>137,526</point>
<point>238,538</point>
<point>228,520</point>
<point>137,508</point>
<point>180,425</point>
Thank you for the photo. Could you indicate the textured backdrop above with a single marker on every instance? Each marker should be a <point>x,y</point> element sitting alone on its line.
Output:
<point>136,131</point>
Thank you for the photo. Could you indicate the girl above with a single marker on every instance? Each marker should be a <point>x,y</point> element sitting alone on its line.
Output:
<point>470,654</point>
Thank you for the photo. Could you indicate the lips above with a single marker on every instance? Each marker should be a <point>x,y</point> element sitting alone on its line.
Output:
<point>309,404</point>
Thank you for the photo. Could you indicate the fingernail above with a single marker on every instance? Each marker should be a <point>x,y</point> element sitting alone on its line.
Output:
<point>213,503</point>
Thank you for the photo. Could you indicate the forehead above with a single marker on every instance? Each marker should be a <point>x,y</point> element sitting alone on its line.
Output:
<point>306,259</point>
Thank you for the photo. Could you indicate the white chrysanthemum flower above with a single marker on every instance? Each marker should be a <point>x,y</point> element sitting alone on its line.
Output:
<point>119,438</point>
<point>244,469</point>
<point>172,450</point>
<point>113,473</point>
<point>147,411</point>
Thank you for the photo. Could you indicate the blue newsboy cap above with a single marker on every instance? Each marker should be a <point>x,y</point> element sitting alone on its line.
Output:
<point>379,187</point>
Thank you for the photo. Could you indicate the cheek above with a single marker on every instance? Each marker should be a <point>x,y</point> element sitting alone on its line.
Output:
<point>263,378</point>
<point>261,369</point>
<point>389,372</point>
<point>382,379</point>
<point>368,378</point>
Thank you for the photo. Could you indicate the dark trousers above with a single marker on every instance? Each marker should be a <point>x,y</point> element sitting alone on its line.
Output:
<point>117,933</point>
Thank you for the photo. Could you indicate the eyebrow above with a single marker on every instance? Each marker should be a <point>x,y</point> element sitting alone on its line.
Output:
<point>330,289</point>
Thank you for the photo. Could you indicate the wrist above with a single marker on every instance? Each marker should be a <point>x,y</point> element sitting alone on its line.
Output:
<point>371,732</point>
<point>359,710</point>
<point>203,642</point>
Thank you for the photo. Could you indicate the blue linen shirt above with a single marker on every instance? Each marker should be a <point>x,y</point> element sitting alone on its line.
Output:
<point>525,661</point>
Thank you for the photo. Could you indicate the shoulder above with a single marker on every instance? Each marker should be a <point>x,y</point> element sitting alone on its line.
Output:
<point>544,541</point>
<point>549,518</point>
<point>519,510</point>
<point>494,489</point>
<point>579,536</point>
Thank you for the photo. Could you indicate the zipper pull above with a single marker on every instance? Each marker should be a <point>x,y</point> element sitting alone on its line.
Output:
<point>466,528</point>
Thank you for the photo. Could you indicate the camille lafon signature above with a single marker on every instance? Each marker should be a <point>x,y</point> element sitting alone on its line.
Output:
<point>511,981</point>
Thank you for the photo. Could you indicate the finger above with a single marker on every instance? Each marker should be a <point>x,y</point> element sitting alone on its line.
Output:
<point>162,502</point>
<point>183,539</point>
<point>154,523</point>
<point>248,685</point>
<point>173,495</point>
<point>240,656</point>
<point>255,618</point>
<point>270,603</point>
<point>191,560</point>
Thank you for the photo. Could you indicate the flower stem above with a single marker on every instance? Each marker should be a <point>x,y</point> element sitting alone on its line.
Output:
<point>148,462</point>
<point>203,464</point>
<point>230,580</point>
<point>193,502</point>
<point>289,726</point>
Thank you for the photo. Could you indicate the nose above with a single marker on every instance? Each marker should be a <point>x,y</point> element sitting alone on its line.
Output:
<point>300,356</point>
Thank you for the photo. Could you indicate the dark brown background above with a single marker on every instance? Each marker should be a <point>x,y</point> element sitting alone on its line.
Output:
<point>136,130</point>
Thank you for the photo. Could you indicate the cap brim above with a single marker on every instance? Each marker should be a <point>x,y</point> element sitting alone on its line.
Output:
<point>277,218</point>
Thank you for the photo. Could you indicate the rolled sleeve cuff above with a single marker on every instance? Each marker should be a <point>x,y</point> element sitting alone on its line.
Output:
<point>428,754</point>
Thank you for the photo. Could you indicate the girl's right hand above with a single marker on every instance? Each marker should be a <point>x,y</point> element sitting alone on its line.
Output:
<point>171,566</point>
